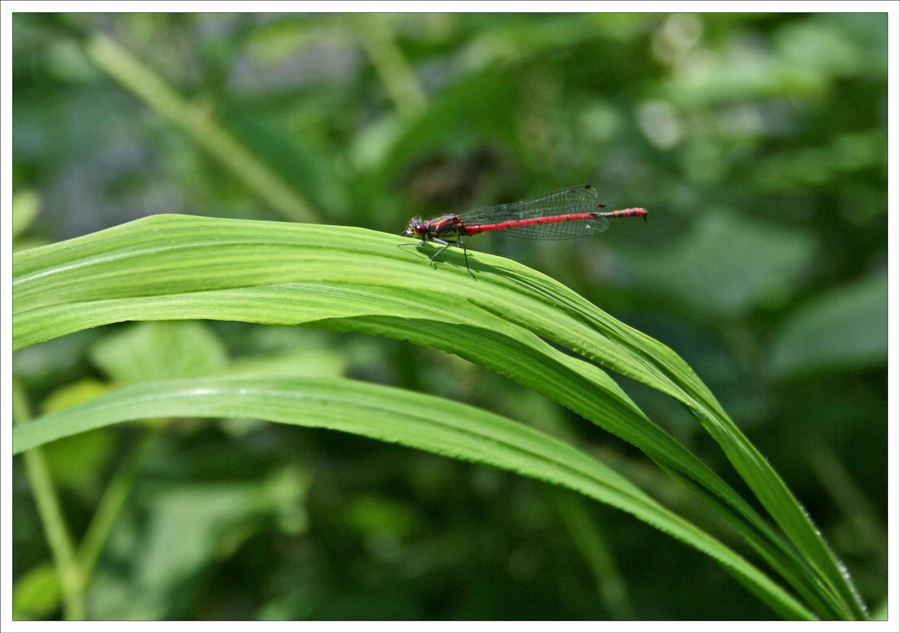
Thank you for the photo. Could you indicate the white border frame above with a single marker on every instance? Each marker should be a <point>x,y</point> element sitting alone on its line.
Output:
<point>6,10</point>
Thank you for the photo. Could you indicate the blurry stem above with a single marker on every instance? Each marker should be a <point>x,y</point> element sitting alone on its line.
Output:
<point>590,542</point>
<point>51,515</point>
<point>390,63</point>
<point>110,507</point>
<point>858,511</point>
<point>198,123</point>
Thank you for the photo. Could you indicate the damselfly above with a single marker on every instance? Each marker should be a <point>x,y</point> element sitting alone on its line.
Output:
<point>558,215</point>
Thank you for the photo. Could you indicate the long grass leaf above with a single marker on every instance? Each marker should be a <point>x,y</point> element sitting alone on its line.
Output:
<point>178,267</point>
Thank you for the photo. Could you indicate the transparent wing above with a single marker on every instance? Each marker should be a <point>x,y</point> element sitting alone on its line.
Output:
<point>578,199</point>
<point>559,230</point>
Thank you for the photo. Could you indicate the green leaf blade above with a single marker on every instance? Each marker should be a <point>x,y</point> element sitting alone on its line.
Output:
<point>180,267</point>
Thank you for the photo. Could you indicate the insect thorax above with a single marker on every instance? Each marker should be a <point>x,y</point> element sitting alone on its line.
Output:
<point>447,226</point>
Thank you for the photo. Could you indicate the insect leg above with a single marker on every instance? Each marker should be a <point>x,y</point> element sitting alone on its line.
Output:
<point>422,243</point>
<point>439,241</point>
<point>465,253</point>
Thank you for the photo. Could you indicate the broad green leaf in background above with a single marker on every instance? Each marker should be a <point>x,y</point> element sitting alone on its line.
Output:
<point>846,327</point>
<point>25,208</point>
<point>810,55</point>
<point>165,350</point>
<point>36,594</point>
<point>420,421</point>
<point>836,45</point>
<point>727,264</point>
<point>175,267</point>
<point>305,362</point>
<point>157,351</point>
<point>192,525</point>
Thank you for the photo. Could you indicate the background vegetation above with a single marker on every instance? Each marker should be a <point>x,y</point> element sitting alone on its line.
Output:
<point>759,145</point>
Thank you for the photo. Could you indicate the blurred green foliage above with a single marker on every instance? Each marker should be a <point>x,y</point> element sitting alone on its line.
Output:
<point>757,142</point>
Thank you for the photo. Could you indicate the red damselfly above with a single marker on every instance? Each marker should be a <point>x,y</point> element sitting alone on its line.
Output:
<point>558,215</point>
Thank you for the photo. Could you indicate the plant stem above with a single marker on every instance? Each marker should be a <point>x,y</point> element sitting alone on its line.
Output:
<point>198,123</point>
<point>109,509</point>
<point>390,63</point>
<point>590,542</point>
<point>51,515</point>
<point>860,514</point>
